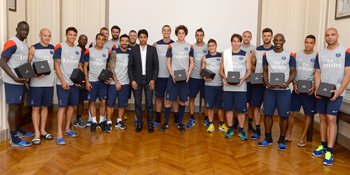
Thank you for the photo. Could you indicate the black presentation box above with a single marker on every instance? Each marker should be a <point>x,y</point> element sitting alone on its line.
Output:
<point>256,78</point>
<point>41,68</point>
<point>233,77</point>
<point>105,75</point>
<point>277,79</point>
<point>78,77</point>
<point>180,76</point>
<point>207,73</point>
<point>25,71</point>
<point>324,90</point>
<point>304,86</point>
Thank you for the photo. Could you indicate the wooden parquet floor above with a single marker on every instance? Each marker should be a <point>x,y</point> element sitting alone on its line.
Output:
<point>171,152</point>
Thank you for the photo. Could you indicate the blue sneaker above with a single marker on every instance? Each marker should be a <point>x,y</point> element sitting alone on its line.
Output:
<point>242,135</point>
<point>328,158</point>
<point>255,136</point>
<point>206,123</point>
<point>229,133</point>
<point>191,123</point>
<point>71,134</point>
<point>88,123</point>
<point>21,133</point>
<point>21,143</point>
<point>60,141</point>
<point>319,151</point>
<point>264,143</point>
<point>282,146</point>
<point>155,124</point>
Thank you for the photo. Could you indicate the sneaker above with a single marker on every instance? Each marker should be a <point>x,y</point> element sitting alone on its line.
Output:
<point>229,134</point>
<point>191,123</point>
<point>206,123</point>
<point>164,127</point>
<point>242,135</point>
<point>264,143</point>
<point>282,146</point>
<point>181,127</point>
<point>88,123</point>
<point>108,128</point>
<point>328,158</point>
<point>21,143</point>
<point>255,136</point>
<point>250,127</point>
<point>223,128</point>
<point>120,125</point>
<point>78,123</point>
<point>93,127</point>
<point>155,123</point>
<point>102,125</point>
<point>21,133</point>
<point>211,128</point>
<point>319,151</point>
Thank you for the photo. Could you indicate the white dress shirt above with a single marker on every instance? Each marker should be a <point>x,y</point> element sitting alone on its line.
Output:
<point>143,52</point>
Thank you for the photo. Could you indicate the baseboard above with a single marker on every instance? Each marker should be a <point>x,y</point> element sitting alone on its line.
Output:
<point>4,135</point>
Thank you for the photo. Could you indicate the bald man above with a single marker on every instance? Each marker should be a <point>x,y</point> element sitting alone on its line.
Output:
<point>332,65</point>
<point>41,87</point>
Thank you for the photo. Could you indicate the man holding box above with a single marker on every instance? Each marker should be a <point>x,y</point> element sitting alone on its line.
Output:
<point>68,57</point>
<point>332,66</point>
<point>15,54</point>
<point>41,86</point>
<point>279,71</point>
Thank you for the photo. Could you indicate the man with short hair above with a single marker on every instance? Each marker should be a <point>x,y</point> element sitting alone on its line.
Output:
<point>114,41</point>
<point>133,39</point>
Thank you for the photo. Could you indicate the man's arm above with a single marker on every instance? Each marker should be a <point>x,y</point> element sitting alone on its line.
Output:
<point>131,65</point>
<point>156,64</point>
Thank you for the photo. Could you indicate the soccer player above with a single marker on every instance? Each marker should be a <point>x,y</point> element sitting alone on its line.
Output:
<point>163,74</point>
<point>67,58</point>
<point>249,48</point>
<point>133,39</point>
<point>120,85</point>
<point>237,60</point>
<point>41,87</point>
<point>108,45</point>
<point>213,87</point>
<point>96,58</point>
<point>179,57</point>
<point>114,41</point>
<point>277,60</point>
<point>15,53</point>
<point>332,66</point>
<point>196,82</point>
<point>305,60</point>
<point>258,90</point>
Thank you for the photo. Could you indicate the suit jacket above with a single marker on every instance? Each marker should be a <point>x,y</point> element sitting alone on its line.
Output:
<point>135,64</point>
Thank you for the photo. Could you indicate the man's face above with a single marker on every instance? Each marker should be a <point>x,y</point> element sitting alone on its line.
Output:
<point>133,37</point>
<point>278,41</point>
<point>309,44</point>
<point>166,32</point>
<point>22,31</point>
<point>199,37</point>
<point>181,35</point>
<point>143,39</point>
<point>45,36</point>
<point>236,43</point>
<point>105,33</point>
<point>115,34</point>
<point>124,42</point>
<point>82,41</point>
<point>247,37</point>
<point>100,40</point>
<point>267,37</point>
<point>331,37</point>
<point>71,36</point>
<point>212,47</point>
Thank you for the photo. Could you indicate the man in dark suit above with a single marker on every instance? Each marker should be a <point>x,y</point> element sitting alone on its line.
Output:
<point>143,73</point>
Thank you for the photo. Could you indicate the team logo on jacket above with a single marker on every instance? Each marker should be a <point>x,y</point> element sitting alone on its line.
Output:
<point>204,51</point>
<point>218,59</point>
<point>312,60</point>
<point>103,55</point>
<point>241,58</point>
<point>76,52</point>
<point>284,58</point>
<point>337,54</point>
<point>186,48</point>
<point>51,52</point>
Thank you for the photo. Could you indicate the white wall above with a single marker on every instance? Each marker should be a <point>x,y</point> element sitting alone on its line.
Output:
<point>15,17</point>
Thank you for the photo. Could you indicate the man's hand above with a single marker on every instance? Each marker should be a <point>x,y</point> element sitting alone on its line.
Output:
<point>337,93</point>
<point>173,77</point>
<point>64,85</point>
<point>21,80</point>
<point>151,85</point>
<point>118,86</point>
<point>88,86</point>
<point>134,85</point>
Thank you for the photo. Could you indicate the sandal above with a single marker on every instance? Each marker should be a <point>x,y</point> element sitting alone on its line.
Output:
<point>288,140</point>
<point>47,136</point>
<point>71,134</point>
<point>301,144</point>
<point>60,141</point>
<point>36,141</point>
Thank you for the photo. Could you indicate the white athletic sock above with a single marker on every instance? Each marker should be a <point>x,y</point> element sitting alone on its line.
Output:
<point>109,122</point>
<point>119,119</point>
<point>102,118</point>
<point>89,115</point>
<point>93,119</point>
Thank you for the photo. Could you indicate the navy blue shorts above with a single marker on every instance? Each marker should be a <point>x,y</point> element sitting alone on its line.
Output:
<point>68,97</point>
<point>237,100</point>
<point>122,95</point>
<point>257,95</point>
<point>326,106</point>
<point>196,85</point>
<point>160,88</point>
<point>40,96</point>
<point>308,102</point>
<point>213,97</point>
<point>277,99</point>
<point>83,94</point>
<point>173,91</point>
<point>14,93</point>
<point>99,89</point>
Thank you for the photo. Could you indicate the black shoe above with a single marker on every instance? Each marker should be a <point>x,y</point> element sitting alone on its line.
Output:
<point>108,128</point>
<point>181,127</point>
<point>93,127</point>
<point>150,129</point>
<point>103,125</point>
<point>164,127</point>
<point>139,128</point>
